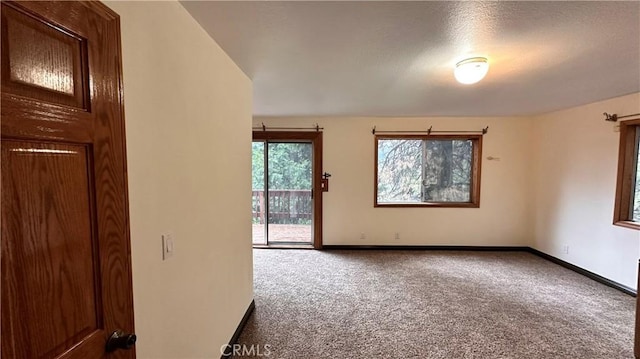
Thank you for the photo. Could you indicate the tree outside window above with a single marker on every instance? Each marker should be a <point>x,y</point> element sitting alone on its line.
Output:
<point>440,171</point>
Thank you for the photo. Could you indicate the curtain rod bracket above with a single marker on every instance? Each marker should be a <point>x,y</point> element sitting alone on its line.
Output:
<point>609,117</point>
<point>264,128</point>
<point>485,130</point>
<point>374,130</point>
<point>429,130</point>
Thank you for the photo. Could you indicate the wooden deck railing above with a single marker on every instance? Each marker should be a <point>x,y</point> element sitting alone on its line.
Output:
<point>288,206</point>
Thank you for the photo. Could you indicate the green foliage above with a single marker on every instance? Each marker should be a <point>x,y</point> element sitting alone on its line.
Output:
<point>257,166</point>
<point>289,165</point>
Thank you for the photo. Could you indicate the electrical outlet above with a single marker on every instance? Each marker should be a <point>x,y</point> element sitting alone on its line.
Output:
<point>397,235</point>
<point>363,236</point>
<point>167,246</point>
<point>565,249</point>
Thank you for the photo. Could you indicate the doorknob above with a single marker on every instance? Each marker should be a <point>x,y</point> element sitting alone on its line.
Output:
<point>120,340</point>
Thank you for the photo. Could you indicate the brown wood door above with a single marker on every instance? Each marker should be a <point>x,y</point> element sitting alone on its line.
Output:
<point>66,268</point>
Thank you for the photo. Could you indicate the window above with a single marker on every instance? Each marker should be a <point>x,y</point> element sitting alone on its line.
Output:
<point>627,206</point>
<point>428,171</point>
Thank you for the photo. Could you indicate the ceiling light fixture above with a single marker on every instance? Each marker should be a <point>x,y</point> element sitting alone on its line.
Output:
<point>471,70</point>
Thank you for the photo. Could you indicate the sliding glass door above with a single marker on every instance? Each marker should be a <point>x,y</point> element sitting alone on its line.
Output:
<point>259,206</point>
<point>282,175</point>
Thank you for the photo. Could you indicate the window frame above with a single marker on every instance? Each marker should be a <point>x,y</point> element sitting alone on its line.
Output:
<point>475,171</point>
<point>625,182</point>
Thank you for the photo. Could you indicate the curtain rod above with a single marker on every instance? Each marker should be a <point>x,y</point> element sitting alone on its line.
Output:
<point>614,117</point>
<point>265,128</point>
<point>430,131</point>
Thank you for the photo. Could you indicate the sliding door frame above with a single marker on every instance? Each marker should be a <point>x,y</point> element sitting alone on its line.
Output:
<point>316,186</point>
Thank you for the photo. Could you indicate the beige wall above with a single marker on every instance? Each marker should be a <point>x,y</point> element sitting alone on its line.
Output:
<point>188,114</point>
<point>553,187</point>
<point>502,220</point>
<point>575,163</point>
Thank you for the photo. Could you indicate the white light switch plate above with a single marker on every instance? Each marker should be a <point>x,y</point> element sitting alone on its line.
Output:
<point>167,246</point>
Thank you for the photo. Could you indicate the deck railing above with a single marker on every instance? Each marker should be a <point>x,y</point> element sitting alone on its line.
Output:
<point>286,206</point>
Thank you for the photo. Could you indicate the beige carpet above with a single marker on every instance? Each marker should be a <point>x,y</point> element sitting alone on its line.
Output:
<point>432,304</point>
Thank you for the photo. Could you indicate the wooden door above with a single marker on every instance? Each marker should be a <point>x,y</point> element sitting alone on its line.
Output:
<point>66,268</point>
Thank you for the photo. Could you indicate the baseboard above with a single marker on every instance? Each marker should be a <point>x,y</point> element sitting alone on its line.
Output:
<point>236,334</point>
<point>428,247</point>
<point>598,278</point>
<point>283,246</point>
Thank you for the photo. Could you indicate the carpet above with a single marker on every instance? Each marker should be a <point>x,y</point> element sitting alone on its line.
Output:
<point>431,304</point>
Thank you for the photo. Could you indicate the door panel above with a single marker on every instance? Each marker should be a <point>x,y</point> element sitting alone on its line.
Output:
<point>66,268</point>
<point>45,71</point>
<point>56,256</point>
<point>42,62</point>
<point>290,183</point>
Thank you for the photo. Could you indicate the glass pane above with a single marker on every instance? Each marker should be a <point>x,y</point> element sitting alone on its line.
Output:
<point>447,171</point>
<point>399,170</point>
<point>635,210</point>
<point>258,206</point>
<point>290,202</point>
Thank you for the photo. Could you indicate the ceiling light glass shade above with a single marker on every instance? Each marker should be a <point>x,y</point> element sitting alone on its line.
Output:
<point>471,70</point>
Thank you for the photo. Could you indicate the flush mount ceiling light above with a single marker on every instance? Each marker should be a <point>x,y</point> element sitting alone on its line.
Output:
<point>471,70</point>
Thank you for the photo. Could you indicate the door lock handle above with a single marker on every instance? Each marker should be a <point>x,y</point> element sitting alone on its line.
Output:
<point>120,340</point>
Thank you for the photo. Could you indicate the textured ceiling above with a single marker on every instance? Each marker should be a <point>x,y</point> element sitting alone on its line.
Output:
<point>369,58</point>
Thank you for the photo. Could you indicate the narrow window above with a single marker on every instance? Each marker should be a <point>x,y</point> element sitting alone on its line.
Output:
<point>428,171</point>
<point>627,205</point>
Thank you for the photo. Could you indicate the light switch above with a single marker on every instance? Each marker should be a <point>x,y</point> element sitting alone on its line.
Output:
<point>167,246</point>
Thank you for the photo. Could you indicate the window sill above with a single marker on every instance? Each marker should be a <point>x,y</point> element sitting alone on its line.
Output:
<point>429,205</point>
<point>628,224</point>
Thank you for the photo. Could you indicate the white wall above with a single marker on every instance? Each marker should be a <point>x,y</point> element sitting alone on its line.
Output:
<point>188,115</point>
<point>575,165</point>
<point>503,218</point>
